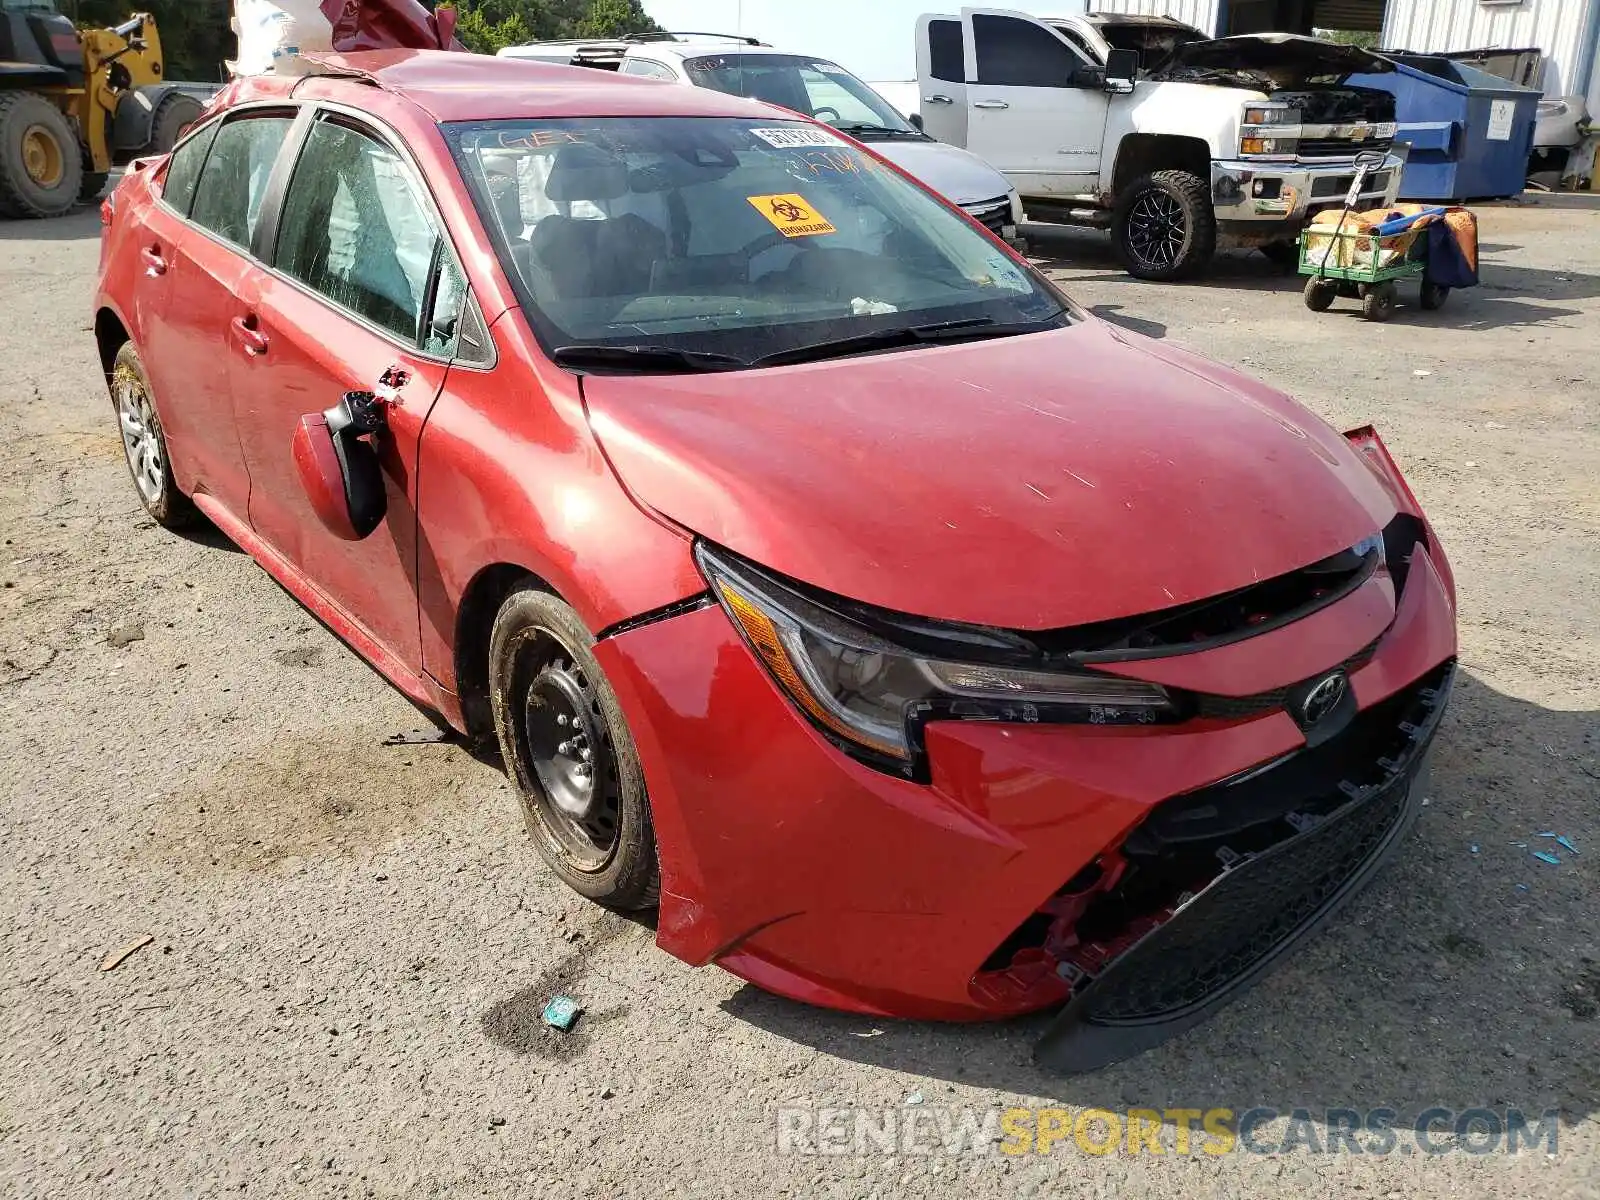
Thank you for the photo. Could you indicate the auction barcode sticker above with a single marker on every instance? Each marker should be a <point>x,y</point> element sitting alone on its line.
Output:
<point>789,136</point>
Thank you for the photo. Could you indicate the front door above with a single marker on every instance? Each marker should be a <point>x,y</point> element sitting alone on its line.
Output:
<point>1036,106</point>
<point>347,308</point>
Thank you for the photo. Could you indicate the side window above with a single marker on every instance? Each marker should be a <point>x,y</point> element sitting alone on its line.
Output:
<point>1077,39</point>
<point>184,169</point>
<point>1017,53</point>
<point>227,199</point>
<point>449,300</point>
<point>355,229</point>
<point>650,70</point>
<point>948,51</point>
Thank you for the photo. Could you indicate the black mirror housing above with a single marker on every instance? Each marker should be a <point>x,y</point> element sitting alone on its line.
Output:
<point>1122,68</point>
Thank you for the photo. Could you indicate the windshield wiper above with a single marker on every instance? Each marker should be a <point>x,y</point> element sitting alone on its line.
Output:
<point>645,358</point>
<point>905,335</point>
<point>861,127</point>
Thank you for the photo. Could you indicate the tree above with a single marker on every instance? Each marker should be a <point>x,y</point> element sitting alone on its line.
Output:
<point>488,25</point>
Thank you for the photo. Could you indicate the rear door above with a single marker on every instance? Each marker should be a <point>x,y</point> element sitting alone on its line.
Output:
<point>360,272</point>
<point>942,78</point>
<point>1037,107</point>
<point>217,180</point>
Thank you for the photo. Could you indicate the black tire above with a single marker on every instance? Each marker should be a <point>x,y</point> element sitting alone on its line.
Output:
<point>1164,225</point>
<point>41,164</point>
<point>1433,296</point>
<point>171,117</point>
<point>545,684</point>
<point>1319,294</point>
<point>146,452</point>
<point>1378,303</point>
<point>94,182</point>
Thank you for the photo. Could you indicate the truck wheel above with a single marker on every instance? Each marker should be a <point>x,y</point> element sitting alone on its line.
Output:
<point>1164,225</point>
<point>168,122</point>
<point>41,166</point>
<point>94,182</point>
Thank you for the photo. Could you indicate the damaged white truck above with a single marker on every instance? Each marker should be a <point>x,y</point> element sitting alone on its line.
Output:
<point>1177,143</point>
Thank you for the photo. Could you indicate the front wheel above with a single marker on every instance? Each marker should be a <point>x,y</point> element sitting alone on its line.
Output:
<point>41,165</point>
<point>568,750</point>
<point>1164,225</point>
<point>1319,294</point>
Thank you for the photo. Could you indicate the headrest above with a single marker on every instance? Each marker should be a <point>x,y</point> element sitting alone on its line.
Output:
<point>584,172</point>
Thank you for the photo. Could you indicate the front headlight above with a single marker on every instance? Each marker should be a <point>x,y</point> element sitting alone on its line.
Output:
<point>1270,130</point>
<point>871,697</point>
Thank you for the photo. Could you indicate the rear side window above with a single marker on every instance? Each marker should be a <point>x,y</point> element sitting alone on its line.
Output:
<point>355,229</point>
<point>227,199</point>
<point>1016,53</point>
<point>650,70</point>
<point>947,50</point>
<point>184,169</point>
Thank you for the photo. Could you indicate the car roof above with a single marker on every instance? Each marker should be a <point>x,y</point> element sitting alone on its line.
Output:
<point>450,85</point>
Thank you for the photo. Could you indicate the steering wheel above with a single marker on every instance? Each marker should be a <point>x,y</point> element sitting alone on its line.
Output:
<point>768,241</point>
<point>817,113</point>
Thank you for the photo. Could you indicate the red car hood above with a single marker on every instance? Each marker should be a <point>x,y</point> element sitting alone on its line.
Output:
<point>1032,482</point>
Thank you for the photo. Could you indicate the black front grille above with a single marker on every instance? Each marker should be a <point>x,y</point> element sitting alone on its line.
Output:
<point>1341,147</point>
<point>1339,185</point>
<point>1246,914</point>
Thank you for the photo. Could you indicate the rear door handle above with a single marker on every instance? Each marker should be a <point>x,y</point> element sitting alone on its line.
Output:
<point>990,104</point>
<point>938,99</point>
<point>247,332</point>
<point>154,263</point>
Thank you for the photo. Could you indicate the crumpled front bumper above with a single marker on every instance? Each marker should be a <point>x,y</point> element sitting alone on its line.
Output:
<point>1263,191</point>
<point>816,877</point>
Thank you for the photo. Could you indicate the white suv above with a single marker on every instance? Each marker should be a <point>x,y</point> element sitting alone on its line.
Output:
<point>809,85</point>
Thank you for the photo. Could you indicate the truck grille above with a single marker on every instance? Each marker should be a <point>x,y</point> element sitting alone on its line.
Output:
<point>1341,147</point>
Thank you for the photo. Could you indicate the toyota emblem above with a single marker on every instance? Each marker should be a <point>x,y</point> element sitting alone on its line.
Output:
<point>1323,698</point>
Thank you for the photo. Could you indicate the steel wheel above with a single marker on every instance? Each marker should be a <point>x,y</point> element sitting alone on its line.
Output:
<point>1156,229</point>
<point>567,746</point>
<point>568,749</point>
<point>141,436</point>
<point>42,157</point>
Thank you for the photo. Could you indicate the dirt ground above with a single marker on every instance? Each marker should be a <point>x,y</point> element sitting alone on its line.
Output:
<point>352,942</point>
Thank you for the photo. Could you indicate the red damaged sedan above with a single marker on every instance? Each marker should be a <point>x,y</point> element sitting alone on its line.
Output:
<point>921,644</point>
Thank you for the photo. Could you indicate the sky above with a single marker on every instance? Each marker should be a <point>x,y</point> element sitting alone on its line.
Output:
<point>871,38</point>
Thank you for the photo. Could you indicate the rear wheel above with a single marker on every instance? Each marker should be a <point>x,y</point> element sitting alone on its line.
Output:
<point>1164,225</point>
<point>1434,296</point>
<point>41,165</point>
<point>568,750</point>
<point>145,445</point>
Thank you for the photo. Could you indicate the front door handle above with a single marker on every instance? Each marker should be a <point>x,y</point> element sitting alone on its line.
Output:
<point>938,99</point>
<point>247,332</point>
<point>154,263</point>
<point>990,104</point>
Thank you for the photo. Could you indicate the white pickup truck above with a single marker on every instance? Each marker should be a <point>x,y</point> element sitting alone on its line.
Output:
<point>1178,143</point>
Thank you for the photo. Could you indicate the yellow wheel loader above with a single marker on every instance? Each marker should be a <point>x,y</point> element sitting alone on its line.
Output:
<point>74,104</point>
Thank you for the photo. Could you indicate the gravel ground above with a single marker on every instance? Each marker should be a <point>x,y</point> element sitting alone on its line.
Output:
<point>352,942</point>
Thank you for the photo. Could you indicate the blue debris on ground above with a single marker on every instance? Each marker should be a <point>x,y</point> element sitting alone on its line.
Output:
<point>561,1012</point>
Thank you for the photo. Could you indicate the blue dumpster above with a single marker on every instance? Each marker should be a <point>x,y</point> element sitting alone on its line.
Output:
<point>1470,132</point>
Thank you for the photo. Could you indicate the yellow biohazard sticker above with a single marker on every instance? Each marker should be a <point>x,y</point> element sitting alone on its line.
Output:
<point>791,215</point>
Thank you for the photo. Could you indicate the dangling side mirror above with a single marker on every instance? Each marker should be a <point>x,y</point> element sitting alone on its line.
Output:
<point>338,465</point>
